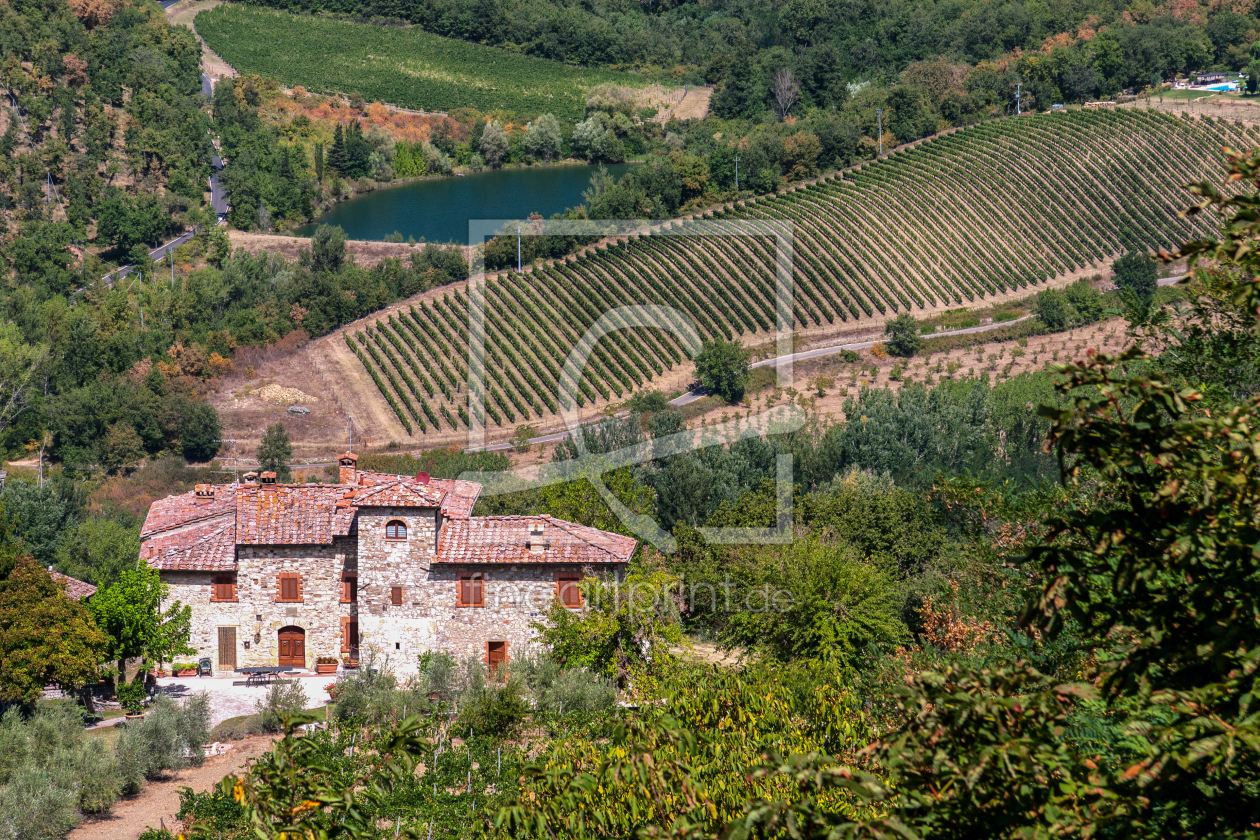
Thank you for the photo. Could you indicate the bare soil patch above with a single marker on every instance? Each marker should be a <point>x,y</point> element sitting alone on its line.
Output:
<point>366,254</point>
<point>694,105</point>
<point>158,803</point>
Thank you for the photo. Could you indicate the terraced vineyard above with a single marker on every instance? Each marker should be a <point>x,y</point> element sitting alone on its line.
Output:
<point>995,209</point>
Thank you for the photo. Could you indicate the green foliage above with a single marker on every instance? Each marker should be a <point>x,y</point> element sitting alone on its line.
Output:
<point>274,452</point>
<point>439,463</point>
<point>169,738</point>
<point>131,697</point>
<point>318,801</point>
<point>129,613</point>
<point>97,551</point>
<point>722,367</point>
<point>1136,273</point>
<point>440,74</point>
<point>813,601</point>
<point>902,336</point>
<point>494,711</point>
<point>328,249</point>
<point>283,699</point>
<point>45,637</point>
<point>624,631</point>
<point>711,726</point>
<point>650,401</point>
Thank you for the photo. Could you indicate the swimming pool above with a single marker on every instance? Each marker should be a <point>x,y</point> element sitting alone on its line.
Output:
<point>1226,86</point>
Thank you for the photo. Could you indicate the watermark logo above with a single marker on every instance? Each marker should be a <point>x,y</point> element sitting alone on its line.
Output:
<point>593,466</point>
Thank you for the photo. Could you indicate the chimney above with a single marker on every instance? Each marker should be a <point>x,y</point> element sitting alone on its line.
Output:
<point>250,479</point>
<point>203,493</point>
<point>268,479</point>
<point>535,542</point>
<point>348,462</point>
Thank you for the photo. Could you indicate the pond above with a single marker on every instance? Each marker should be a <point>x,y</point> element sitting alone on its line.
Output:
<point>438,210</point>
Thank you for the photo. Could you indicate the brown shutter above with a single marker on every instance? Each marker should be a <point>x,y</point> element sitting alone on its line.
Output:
<point>395,596</point>
<point>345,634</point>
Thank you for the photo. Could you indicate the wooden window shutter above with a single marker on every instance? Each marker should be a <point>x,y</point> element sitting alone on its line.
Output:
<point>223,588</point>
<point>349,589</point>
<point>290,586</point>
<point>395,596</point>
<point>470,592</point>
<point>567,590</point>
<point>345,634</point>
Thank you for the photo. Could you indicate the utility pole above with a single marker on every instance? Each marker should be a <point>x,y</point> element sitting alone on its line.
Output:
<point>518,250</point>
<point>879,121</point>
<point>737,173</point>
<point>170,252</point>
<point>1018,90</point>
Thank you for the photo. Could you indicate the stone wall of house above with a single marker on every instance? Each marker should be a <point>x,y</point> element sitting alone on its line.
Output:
<point>257,615</point>
<point>515,596</point>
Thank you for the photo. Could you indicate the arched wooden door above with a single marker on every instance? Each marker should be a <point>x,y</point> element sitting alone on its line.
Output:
<point>292,647</point>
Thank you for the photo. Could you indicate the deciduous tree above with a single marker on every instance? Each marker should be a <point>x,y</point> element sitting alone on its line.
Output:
<point>46,638</point>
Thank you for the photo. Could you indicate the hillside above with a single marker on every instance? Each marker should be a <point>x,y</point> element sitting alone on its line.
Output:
<point>961,220</point>
<point>403,66</point>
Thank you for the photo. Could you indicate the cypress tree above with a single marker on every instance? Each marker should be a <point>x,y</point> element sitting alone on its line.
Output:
<point>337,154</point>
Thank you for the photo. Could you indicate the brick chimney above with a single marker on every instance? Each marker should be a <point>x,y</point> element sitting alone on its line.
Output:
<point>348,462</point>
<point>268,479</point>
<point>203,493</point>
<point>250,479</point>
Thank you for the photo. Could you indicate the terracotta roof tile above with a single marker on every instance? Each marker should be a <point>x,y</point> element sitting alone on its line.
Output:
<point>208,548</point>
<point>75,588</point>
<point>508,539</point>
<point>291,514</point>
<point>186,508</point>
<point>460,496</point>
<point>378,490</point>
<point>200,530</point>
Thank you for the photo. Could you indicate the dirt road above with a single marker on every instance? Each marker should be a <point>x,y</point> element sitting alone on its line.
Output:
<point>158,803</point>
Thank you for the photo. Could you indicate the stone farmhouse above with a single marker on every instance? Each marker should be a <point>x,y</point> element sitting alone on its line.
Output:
<point>283,574</point>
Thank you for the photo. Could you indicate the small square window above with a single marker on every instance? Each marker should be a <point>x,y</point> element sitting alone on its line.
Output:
<point>471,590</point>
<point>397,645</point>
<point>290,588</point>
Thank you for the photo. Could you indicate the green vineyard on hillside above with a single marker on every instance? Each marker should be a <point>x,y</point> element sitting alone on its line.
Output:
<point>1001,207</point>
<point>399,65</point>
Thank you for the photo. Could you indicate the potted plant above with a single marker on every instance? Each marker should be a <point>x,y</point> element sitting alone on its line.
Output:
<point>184,669</point>
<point>131,698</point>
<point>326,665</point>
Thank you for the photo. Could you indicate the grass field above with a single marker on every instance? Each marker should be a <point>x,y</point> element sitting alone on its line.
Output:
<point>956,222</point>
<point>402,66</point>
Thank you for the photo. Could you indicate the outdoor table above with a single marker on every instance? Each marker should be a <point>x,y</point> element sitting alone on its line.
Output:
<point>259,675</point>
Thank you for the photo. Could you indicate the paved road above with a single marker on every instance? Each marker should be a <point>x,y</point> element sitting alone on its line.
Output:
<point>207,86</point>
<point>157,255</point>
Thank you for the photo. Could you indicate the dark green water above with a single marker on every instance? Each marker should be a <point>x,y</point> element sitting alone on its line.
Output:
<point>439,210</point>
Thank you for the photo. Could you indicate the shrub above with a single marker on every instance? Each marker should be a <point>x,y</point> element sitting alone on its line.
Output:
<point>282,698</point>
<point>1055,310</point>
<point>903,336</point>
<point>498,712</point>
<point>34,807</point>
<point>169,738</point>
<point>49,771</point>
<point>563,691</point>
<point>722,367</point>
<point>1136,272</point>
<point>131,697</point>
<point>647,402</point>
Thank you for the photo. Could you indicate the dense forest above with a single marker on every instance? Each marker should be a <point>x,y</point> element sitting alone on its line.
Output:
<point>1059,50</point>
